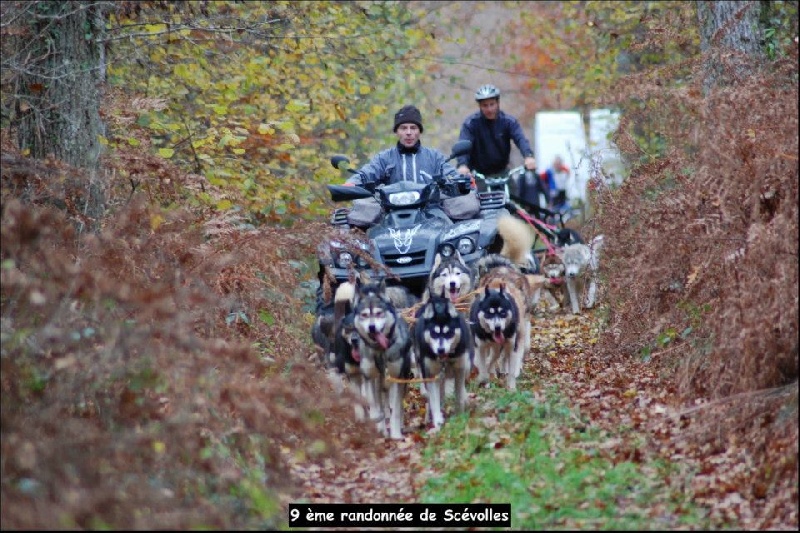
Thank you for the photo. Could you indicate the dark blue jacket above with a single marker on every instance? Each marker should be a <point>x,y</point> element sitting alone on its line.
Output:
<point>491,142</point>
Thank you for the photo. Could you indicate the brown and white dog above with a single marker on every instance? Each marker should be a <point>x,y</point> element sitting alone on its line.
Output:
<point>553,287</point>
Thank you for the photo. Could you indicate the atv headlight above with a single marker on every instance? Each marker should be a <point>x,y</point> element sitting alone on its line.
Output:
<point>466,245</point>
<point>404,198</point>
<point>447,249</point>
<point>344,259</point>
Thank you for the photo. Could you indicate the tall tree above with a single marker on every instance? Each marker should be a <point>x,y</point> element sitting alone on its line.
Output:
<point>55,63</point>
<point>730,38</point>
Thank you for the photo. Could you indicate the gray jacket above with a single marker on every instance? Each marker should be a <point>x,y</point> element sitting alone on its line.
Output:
<point>419,164</point>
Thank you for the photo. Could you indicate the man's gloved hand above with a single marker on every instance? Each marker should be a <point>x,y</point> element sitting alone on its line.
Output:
<point>530,163</point>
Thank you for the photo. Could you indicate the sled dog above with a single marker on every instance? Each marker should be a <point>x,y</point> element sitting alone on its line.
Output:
<point>443,347</point>
<point>384,353</point>
<point>451,275</point>
<point>500,314</point>
<point>553,289</point>
<point>581,263</point>
<point>326,325</point>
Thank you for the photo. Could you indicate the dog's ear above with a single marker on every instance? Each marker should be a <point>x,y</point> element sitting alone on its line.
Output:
<point>436,261</point>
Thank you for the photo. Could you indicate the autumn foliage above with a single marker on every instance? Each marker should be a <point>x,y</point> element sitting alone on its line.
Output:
<point>158,373</point>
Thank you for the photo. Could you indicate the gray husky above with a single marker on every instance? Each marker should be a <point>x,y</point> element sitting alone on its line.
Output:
<point>451,275</point>
<point>581,263</point>
<point>443,346</point>
<point>384,353</point>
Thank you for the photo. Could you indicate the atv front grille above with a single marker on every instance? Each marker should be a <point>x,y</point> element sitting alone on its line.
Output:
<point>492,199</point>
<point>398,260</point>
<point>339,216</point>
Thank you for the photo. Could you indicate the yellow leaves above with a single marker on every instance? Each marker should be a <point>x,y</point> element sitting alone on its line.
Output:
<point>199,143</point>
<point>183,71</point>
<point>691,277</point>
<point>158,54</point>
<point>280,94</point>
<point>156,221</point>
<point>339,111</point>
<point>154,29</point>
<point>296,106</point>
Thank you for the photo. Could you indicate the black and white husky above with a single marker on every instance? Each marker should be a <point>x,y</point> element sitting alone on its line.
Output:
<point>500,314</point>
<point>443,347</point>
<point>384,353</point>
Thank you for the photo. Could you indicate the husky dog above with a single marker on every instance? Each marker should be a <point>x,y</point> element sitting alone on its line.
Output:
<point>501,335</point>
<point>500,315</point>
<point>399,296</point>
<point>553,287</point>
<point>518,238</point>
<point>567,236</point>
<point>581,263</point>
<point>347,360</point>
<point>452,275</point>
<point>322,335</point>
<point>443,344</point>
<point>384,352</point>
<point>326,325</point>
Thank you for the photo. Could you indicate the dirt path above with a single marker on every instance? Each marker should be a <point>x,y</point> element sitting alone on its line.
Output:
<point>389,472</point>
<point>609,394</point>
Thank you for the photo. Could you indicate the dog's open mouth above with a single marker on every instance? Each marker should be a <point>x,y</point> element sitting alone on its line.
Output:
<point>381,339</point>
<point>454,293</point>
<point>355,354</point>
<point>498,337</point>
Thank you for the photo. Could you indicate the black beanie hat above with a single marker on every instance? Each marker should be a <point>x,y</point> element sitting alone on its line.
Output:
<point>408,113</point>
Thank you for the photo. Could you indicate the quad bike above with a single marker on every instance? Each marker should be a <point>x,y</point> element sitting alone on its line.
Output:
<point>409,228</point>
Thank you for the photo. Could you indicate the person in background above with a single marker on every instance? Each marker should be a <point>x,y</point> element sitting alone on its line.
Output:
<point>557,196</point>
<point>491,132</point>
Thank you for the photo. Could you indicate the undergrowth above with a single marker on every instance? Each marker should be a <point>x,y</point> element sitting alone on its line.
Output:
<point>536,453</point>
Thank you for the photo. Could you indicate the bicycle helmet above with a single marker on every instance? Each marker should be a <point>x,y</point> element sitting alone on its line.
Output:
<point>487,91</point>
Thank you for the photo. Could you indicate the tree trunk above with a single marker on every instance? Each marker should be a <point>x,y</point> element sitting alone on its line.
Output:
<point>60,72</point>
<point>730,38</point>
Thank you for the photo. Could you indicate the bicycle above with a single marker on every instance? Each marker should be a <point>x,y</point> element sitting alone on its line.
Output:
<point>548,225</point>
